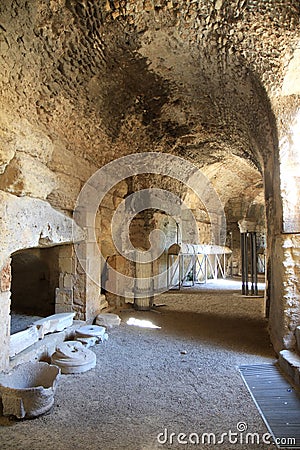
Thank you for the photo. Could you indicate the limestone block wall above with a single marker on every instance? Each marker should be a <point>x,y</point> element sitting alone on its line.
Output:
<point>64,292</point>
<point>69,288</point>
<point>87,288</point>
<point>143,224</point>
<point>107,208</point>
<point>282,201</point>
<point>28,223</point>
<point>192,78</point>
<point>285,300</point>
<point>5,280</point>
<point>112,260</point>
<point>117,264</point>
<point>40,179</point>
<point>50,280</point>
<point>32,164</point>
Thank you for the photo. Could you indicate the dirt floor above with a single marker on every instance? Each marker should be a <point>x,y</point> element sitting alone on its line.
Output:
<point>19,322</point>
<point>182,377</point>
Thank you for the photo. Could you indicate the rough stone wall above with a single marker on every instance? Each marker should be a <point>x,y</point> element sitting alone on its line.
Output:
<point>5,280</point>
<point>107,208</point>
<point>110,79</point>
<point>88,266</point>
<point>103,79</point>
<point>84,82</point>
<point>27,223</point>
<point>284,227</point>
<point>285,300</point>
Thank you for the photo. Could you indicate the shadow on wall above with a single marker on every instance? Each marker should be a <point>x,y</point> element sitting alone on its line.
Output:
<point>34,279</point>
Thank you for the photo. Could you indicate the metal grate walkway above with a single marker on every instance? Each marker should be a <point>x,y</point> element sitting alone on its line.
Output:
<point>277,402</point>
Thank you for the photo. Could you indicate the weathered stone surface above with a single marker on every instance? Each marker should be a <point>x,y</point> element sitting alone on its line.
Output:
<point>63,296</point>
<point>5,277</point>
<point>96,331</point>
<point>23,339</point>
<point>290,363</point>
<point>291,81</point>
<point>73,357</point>
<point>27,222</point>
<point>189,42</point>
<point>285,294</point>
<point>4,329</point>
<point>56,322</point>
<point>26,175</point>
<point>87,341</point>
<point>63,162</point>
<point>246,226</point>
<point>63,308</point>
<point>217,83</point>
<point>103,302</point>
<point>298,338</point>
<point>44,348</point>
<point>25,137</point>
<point>7,144</point>
<point>28,390</point>
<point>65,194</point>
<point>108,320</point>
<point>6,155</point>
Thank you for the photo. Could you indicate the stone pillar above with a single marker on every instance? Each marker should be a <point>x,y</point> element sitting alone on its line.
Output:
<point>119,289</point>
<point>77,291</point>
<point>5,284</point>
<point>87,285</point>
<point>67,268</point>
<point>143,291</point>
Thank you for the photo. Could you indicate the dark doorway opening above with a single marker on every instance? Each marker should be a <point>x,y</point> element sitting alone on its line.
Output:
<point>35,276</point>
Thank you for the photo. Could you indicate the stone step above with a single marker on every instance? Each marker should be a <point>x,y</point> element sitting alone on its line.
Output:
<point>298,338</point>
<point>289,361</point>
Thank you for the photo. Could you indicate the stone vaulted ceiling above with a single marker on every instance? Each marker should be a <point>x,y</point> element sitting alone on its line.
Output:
<point>103,78</point>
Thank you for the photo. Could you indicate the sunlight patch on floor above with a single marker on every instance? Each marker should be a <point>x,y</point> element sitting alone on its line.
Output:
<point>141,323</point>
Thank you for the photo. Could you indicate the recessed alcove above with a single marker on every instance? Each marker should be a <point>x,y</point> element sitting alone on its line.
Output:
<point>35,276</point>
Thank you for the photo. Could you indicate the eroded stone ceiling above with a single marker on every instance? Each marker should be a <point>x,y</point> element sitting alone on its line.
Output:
<point>103,78</point>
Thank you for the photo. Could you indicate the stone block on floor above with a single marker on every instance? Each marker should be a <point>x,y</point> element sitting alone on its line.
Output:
<point>22,340</point>
<point>56,322</point>
<point>289,361</point>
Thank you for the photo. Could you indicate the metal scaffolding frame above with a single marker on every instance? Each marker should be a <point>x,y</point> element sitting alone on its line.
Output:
<point>202,261</point>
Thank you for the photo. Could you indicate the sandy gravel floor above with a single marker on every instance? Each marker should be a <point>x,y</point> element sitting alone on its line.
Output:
<point>182,377</point>
<point>20,322</point>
